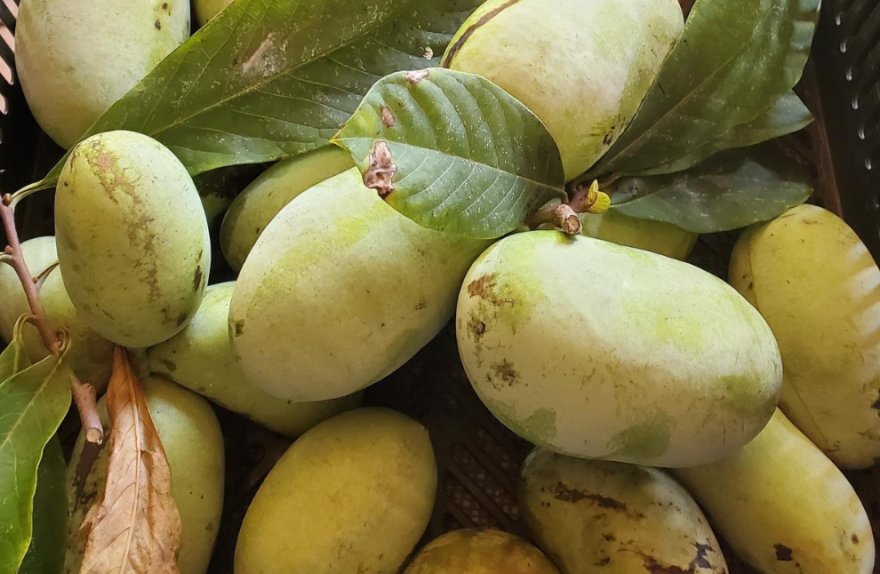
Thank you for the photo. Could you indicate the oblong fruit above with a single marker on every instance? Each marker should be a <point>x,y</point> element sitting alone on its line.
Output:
<point>39,254</point>
<point>615,518</point>
<point>201,359</point>
<point>784,507</point>
<point>89,355</point>
<point>353,494</point>
<point>480,552</point>
<point>76,59</point>
<point>193,443</point>
<point>133,245</point>
<point>341,290</point>
<point>818,287</point>
<point>261,201</point>
<point>601,351</point>
<point>583,66</point>
<point>655,236</point>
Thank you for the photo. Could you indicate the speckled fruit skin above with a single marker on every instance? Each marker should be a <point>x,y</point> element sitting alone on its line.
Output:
<point>190,433</point>
<point>615,518</point>
<point>261,201</point>
<point>657,237</point>
<point>90,355</point>
<point>354,494</point>
<point>480,552</point>
<point>133,245</point>
<point>340,291</point>
<point>596,350</point>
<point>75,59</point>
<point>784,507</point>
<point>583,66</point>
<point>818,287</point>
<point>201,359</point>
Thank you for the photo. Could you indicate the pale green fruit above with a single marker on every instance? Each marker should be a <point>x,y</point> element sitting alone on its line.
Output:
<point>133,245</point>
<point>39,254</point>
<point>354,494</point>
<point>340,291</point>
<point>75,59</point>
<point>261,201</point>
<point>90,355</point>
<point>818,287</point>
<point>193,443</point>
<point>618,518</point>
<point>655,236</point>
<point>201,359</point>
<point>583,66</point>
<point>784,507</point>
<point>207,9</point>
<point>596,350</point>
<point>480,552</point>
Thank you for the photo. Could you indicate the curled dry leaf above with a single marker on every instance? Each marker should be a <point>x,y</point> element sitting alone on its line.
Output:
<point>135,527</point>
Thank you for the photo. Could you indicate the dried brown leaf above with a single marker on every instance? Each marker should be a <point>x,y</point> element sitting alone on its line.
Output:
<point>135,527</point>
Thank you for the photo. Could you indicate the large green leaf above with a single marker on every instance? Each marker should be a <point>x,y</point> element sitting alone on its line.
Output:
<point>734,60</point>
<point>46,552</point>
<point>731,190</point>
<point>33,402</point>
<point>454,152</point>
<point>265,80</point>
<point>787,115</point>
<point>14,358</point>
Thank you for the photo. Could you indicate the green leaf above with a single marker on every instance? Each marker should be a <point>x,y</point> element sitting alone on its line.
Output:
<point>46,552</point>
<point>266,80</point>
<point>14,358</point>
<point>731,190</point>
<point>787,115</point>
<point>734,60</point>
<point>454,152</point>
<point>32,404</point>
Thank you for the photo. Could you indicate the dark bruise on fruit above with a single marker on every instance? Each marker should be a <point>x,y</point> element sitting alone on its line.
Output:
<point>654,566</point>
<point>505,372</point>
<point>566,494</point>
<point>239,328</point>
<point>783,553</point>
<point>484,19</point>
<point>197,277</point>
<point>381,170</point>
<point>169,365</point>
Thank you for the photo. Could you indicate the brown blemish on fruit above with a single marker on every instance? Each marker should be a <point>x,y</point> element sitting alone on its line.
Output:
<point>422,304</point>
<point>783,552</point>
<point>197,278</point>
<point>609,537</point>
<point>855,539</point>
<point>181,319</point>
<point>566,494</point>
<point>239,328</point>
<point>653,566</point>
<point>387,117</point>
<point>485,288</point>
<point>169,365</point>
<point>603,562</point>
<point>486,18</point>
<point>381,171</point>
<point>505,372</point>
<point>476,328</point>
<point>158,24</point>
<point>416,76</point>
<point>876,404</point>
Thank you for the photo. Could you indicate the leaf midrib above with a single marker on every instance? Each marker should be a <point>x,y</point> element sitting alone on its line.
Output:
<point>39,391</point>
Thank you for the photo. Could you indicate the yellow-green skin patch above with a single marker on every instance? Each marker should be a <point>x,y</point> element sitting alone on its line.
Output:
<point>206,9</point>
<point>583,66</point>
<point>818,287</point>
<point>75,59</point>
<point>354,494</point>
<point>614,518</point>
<point>190,433</point>
<point>784,507</point>
<point>39,254</point>
<point>89,355</point>
<point>654,236</point>
<point>201,359</point>
<point>133,245</point>
<point>341,290</point>
<point>261,201</point>
<point>601,351</point>
<point>480,552</point>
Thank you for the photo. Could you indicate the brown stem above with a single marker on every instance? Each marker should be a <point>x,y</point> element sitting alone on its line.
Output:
<point>560,215</point>
<point>83,394</point>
